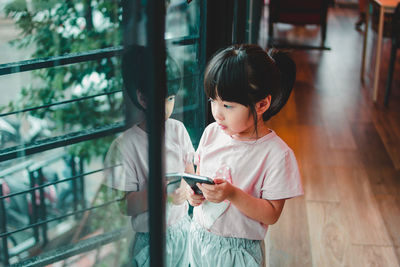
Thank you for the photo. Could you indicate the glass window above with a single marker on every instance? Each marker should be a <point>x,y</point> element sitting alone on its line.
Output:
<point>61,75</point>
<point>74,138</point>
<point>183,45</point>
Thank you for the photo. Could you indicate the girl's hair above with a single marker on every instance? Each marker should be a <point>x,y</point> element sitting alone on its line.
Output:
<point>246,74</point>
<point>135,73</point>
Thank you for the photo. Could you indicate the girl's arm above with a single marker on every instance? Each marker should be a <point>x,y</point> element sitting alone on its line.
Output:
<point>261,210</point>
<point>189,168</point>
<point>179,196</point>
<point>136,202</point>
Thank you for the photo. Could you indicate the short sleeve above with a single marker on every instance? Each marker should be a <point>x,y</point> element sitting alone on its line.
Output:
<point>197,154</point>
<point>282,179</point>
<point>188,150</point>
<point>119,173</point>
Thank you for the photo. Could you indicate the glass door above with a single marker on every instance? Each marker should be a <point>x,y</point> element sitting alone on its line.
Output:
<point>88,85</point>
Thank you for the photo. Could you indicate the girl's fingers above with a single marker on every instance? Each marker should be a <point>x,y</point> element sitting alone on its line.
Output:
<point>197,197</point>
<point>194,199</point>
<point>206,186</point>
<point>219,181</point>
<point>195,202</point>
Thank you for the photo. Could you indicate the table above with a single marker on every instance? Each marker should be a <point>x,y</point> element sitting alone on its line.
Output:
<point>385,6</point>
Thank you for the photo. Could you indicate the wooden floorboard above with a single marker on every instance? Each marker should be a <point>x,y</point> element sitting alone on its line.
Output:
<point>348,150</point>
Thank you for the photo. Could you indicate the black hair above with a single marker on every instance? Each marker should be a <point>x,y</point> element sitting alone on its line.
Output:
<point>135,73</point>
<point>246,74</point>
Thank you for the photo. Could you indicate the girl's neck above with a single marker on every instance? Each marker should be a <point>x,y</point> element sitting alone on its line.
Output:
<point>262,130</point>
<point>143,125</point>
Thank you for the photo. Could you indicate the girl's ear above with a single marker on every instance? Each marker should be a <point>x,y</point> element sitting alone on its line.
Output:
<point>263,105</point>
<point>141,99</point>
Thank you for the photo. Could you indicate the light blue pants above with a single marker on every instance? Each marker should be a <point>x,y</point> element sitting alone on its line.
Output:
<point>177,246</point>
<point>210,250</point>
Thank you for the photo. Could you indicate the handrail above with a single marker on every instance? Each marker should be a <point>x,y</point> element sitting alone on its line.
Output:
<point>59,141</point>
<point>60,103</point>
<point>41,222</point>
<point>47,62</point>
<point>55,182</point>
<point>75,249</point>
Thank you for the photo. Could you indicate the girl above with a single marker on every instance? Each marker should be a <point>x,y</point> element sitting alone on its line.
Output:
<point>253,169</point>
<point>129,153</point>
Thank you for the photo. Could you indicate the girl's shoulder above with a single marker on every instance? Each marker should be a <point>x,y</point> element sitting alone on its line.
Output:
<point>174,125</point>
<point>212,129</point>
<point>274,142</point>
<point>132,134</point>
<point>132,138</point>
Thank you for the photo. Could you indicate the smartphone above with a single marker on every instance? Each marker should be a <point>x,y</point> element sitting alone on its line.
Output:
<point>190,179</point>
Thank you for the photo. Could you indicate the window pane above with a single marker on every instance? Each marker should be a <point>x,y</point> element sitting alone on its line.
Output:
<point>58,120</point>
<point>183,45</point>
<point>183,129</point>
<point>73,135</point>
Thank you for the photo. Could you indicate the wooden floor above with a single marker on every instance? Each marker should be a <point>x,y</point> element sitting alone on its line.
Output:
<point>348,150</point>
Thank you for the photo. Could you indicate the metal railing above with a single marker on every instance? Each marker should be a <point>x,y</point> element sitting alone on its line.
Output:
<point>39,220</point>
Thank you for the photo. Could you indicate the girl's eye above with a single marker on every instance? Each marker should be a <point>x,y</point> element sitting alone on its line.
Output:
<point>227,106</point>
<point>171,98</point>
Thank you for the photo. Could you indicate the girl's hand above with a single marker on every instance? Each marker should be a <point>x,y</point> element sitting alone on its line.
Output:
<point>178,196</point>
<point>193,198</point>
<point>222,190</point>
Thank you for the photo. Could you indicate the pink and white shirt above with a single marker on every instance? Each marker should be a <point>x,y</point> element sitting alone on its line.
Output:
<point>264,168</point>
<point>130,152</point>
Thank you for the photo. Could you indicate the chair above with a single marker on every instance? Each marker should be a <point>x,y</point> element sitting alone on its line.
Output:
<point>298,13</point>
<point>395,35</point>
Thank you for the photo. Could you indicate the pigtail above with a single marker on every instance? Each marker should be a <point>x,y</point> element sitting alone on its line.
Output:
<point>287,69</point>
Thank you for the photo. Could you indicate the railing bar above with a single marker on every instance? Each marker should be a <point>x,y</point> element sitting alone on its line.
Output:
<point>60,141</point>
<point>56,182</point>
<point>40,63</point>
<point>75,249</point>
<point>85,97</point>
<point>59,217</point>
<point>60,103</point>
<point>189,40</point>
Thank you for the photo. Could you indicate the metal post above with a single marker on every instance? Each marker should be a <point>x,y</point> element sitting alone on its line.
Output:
<point>239,22</point>
<point>218,31</point>
<point>42,207</point>
<point>155,120</point>
<point>82,184</point>
<point>74,183</point>
<point>203,61</point>
<point>33,219</point>
<point>3,226</point>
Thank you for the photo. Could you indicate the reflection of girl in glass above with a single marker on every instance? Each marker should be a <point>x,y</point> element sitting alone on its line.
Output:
<point>254,170</point>
<point>131,151</point>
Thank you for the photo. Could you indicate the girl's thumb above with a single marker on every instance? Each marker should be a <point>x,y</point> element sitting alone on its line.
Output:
<point>219,180</point>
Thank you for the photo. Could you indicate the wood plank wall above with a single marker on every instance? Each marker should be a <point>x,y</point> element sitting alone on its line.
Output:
<point>348,150</point>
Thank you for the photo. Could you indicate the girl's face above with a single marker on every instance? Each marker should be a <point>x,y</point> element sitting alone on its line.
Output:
<point>169,106</point>
<point>233,118</point>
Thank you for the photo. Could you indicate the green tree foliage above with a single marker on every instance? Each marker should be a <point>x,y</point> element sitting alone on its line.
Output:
<point>57,28</point>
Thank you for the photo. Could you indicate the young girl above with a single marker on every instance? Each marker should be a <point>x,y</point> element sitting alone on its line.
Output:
<point>129,153</point>
<point>253,169</point>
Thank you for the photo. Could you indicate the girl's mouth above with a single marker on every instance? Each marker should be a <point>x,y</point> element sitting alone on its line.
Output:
<point>223,127</point>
